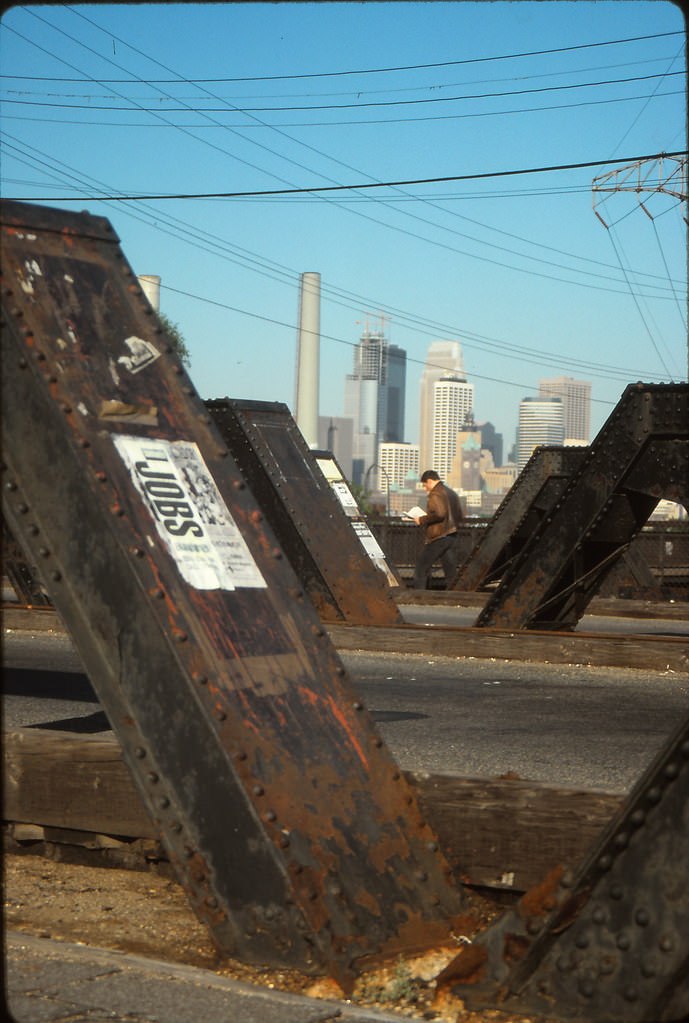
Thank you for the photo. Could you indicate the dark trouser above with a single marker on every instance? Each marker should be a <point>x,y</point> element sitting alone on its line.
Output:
<point>443,550</point>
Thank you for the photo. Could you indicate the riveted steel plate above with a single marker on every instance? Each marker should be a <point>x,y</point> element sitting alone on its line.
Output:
<point>533,494</point>
<point>639,456</point>
<point>608,943</point>
<point>316,534</point>
<point>295,835</point>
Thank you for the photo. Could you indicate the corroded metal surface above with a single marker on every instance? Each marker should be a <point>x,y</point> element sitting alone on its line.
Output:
<point>295,835</point>
<point>533,494</point>
<point>640,456</point>
<point>304,513</point>
<point>607,944</point>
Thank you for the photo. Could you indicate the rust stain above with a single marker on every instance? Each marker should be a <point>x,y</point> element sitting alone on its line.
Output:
<point>515,947</point>
<point>540,899</point>
<point>468,967</point>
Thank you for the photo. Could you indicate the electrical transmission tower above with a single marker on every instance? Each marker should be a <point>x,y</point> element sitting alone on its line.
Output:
<point>671,178</point>
<point>666,174</point>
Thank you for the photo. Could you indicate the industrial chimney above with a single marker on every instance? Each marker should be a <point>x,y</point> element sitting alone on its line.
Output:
<point>308,356</point>
<point>150,285</point>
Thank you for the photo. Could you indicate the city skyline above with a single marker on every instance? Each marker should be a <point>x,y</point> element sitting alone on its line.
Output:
<point>437,162</point>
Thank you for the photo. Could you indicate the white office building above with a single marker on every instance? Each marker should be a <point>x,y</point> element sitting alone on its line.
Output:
<point>541,421</point>
<point>575,396</point>
<point>397,463</point>
<point>453,409</point>
<point>444,359</point>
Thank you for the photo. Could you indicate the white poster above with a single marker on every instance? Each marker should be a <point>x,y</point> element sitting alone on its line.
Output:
<point>189,513</point>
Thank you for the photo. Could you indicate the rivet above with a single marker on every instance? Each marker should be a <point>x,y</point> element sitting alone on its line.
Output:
<point>177,370</point>
<point>152,777</point>
<point>11,485</point>
<point>138,552</point>
<point>276,553</point>
<point>598,915</point>
<point>432,847</point>
<point>239,484</point>
<point>56,576</point>
<point>211,901</point>
<point>84,443</point>
<point>567,880</point>
<point>623,942</point>
<point>421,875</point>
<point>582,941</point>
<point>637,818</point>
<point>100,476</point>
<point>587,988</point>
<point>666,944</point>
<point>23,363</point>
<point>654,795</point>
<point>258,790</point>
<point>200,678</point>
<point>284,842</point>
<point>176,827</point>
<point>357,705</point>
<point>684,748</point>
<point>240,755</point>
<point>219,714</point>
<point>621,840</point>
<point>616,891</point>
<point>269,815</point>
<point>44,552</point>
<point>534,926</point>
<point>630,994</point>
<point>648,969</point>
<point>181,637</point>
<point>118,510</point>
<point>157,593</point>
<point>163,802</point>
<point>66,408</point>
<point>642,918</point>
<point>256,516</point>
<point>22,508</point>
<point>396,776</point>
<point>671,771</point>
<point>139,753</point>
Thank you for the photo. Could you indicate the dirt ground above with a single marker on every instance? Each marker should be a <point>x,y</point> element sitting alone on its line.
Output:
<point>146,913</point>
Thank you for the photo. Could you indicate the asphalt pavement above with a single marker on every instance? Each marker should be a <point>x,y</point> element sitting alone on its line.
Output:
<point>49,981</point>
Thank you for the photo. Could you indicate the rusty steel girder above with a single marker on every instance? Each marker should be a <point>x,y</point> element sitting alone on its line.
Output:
<point>609,941</point>
<point>527,502</point>
<point>304,513</point>
<point>640,456</point>
<point>294,834</point>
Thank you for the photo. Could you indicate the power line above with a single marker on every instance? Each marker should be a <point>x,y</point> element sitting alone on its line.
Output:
<point>376,71</point>
<point>358,105</point>
<point>377,184</point>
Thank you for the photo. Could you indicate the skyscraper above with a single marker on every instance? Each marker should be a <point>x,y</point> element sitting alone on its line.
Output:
<point>374,398</point>
<point>576,405</point>
<point>444,359</point>
<point>541,421</point>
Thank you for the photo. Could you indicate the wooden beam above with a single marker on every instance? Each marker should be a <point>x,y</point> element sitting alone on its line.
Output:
<point>496,832</point>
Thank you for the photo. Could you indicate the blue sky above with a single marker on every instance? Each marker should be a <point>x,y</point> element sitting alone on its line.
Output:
<point>179,99</point>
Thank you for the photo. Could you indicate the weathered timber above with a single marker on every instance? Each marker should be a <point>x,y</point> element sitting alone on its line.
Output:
<point>622,651</point>
<point>504,833</point>
<point>599,650</point>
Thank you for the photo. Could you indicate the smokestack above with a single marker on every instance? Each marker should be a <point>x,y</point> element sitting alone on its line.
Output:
<point>308,356</point>
<point>150,285</point>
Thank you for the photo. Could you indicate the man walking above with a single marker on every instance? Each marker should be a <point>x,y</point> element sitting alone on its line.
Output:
<point>443,515</point>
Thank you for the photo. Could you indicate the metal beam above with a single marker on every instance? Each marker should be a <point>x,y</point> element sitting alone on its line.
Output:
<point>295,835</point>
